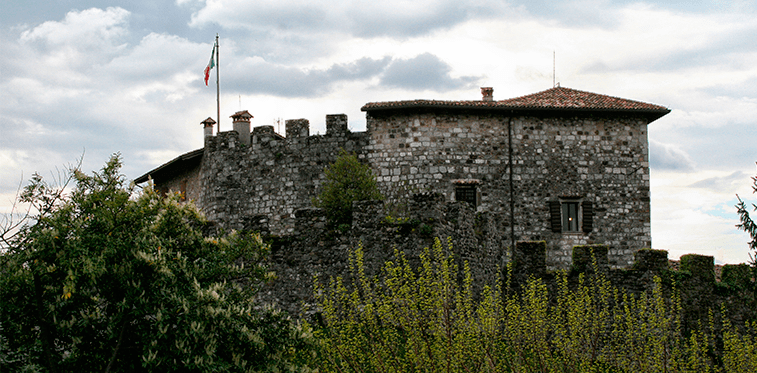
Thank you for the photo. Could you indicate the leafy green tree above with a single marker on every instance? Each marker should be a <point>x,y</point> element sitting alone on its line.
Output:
<point>347,180</point>
<point>106,279</point>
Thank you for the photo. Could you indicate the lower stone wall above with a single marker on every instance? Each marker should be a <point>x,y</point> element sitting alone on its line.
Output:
<point>315,253</point>
<point>274,176</point>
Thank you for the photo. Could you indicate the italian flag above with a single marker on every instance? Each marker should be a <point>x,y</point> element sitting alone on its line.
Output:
<point>211,65</point>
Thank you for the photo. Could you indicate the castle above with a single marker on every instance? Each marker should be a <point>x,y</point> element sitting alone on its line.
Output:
<point>553,180</point>
<point>563,166</point>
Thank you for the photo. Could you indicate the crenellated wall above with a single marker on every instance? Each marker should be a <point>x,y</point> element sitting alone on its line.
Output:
<point>597,162</point>
<point>274,175</point>
<point>313,251</point>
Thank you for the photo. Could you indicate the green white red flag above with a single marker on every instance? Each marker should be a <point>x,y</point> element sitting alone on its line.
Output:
<point>211,64</point>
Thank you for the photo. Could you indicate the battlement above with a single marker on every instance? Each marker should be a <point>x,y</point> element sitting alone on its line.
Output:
<point>312,249</point>
<point>270,175</point>
<point>296,130</point>
<point>336,125</point>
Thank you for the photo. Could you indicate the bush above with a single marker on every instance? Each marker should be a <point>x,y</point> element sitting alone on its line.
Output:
<point>347,180</point>
<point>428,320</point>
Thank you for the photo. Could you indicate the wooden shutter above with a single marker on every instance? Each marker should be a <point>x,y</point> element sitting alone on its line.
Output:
<point>554,216</point>
<point>588,216</point>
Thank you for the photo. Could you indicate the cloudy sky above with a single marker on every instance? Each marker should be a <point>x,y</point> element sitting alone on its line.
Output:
<point>98,77</point>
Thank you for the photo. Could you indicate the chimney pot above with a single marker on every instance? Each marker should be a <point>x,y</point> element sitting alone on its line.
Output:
<point>208,126</point>
<point>241,122</point>
<point>487,93</point>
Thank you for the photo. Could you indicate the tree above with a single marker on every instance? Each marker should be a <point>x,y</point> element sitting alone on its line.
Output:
<point>347,180</point>
<point>106,279</point>
<point>747,224</point>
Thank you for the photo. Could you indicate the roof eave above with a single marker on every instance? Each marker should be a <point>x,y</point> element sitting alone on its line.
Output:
<point>651,114</point>
<point>182,158</point>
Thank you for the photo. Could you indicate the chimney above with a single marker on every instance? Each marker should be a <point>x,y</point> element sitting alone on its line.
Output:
<point>208,125</point>
<point>241,121</point>
<point>488,93</point>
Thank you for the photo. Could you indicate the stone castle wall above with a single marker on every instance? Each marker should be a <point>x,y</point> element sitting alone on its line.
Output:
<point>603,160</point>
<point>315,253</point>
<point>273,176</point>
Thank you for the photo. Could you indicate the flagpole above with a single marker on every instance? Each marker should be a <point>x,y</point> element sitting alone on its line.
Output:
<point>218,89</point>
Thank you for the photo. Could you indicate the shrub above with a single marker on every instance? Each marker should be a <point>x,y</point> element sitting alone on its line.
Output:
<point>347,180</point>
<point>428,320</point>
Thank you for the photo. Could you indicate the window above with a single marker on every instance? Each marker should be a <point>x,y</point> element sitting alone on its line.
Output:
<point>466,193</point>
<point>571,216</point>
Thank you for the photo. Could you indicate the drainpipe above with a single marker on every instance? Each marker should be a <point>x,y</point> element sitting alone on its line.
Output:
<point>512,189</point>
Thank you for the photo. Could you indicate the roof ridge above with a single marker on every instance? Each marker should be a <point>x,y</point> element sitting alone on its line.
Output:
<point>585,94</point>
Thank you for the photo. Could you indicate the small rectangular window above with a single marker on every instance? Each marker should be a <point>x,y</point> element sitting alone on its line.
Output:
<point>466,193</point>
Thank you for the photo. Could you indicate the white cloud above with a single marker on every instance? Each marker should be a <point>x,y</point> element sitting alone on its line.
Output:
<point>88,27</point>
<point>669,157</point>
<point>695,212</point>
<point>88,33</point>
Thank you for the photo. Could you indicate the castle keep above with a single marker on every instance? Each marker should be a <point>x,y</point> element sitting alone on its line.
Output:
<point>564,166</point>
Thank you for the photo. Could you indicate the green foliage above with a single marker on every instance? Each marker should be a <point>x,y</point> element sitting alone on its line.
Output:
<point>426,230</point>
<point>347,180</point>
<point>110,280</point>
<point>748,225</point>
<point>740,350</point>
<point>428,320</point>
<point>409,321</point>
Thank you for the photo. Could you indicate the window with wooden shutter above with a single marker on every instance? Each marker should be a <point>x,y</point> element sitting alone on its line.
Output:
<point>555,220</point>
<point>587,216</point>
<point>571,216</point>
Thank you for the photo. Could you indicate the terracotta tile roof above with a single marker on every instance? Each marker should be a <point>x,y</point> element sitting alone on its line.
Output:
<point>559,98</point>
<point>566,98</point>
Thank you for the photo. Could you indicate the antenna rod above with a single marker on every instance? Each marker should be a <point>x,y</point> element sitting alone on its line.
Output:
<point>553,69</point>
<point>218,88</point>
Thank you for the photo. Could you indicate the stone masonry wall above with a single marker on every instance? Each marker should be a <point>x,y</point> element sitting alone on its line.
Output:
<point>603,160</point>
<point>314,253</point>
<point>274,176</point>
<point>187,183</point>
<point>597,159</point>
